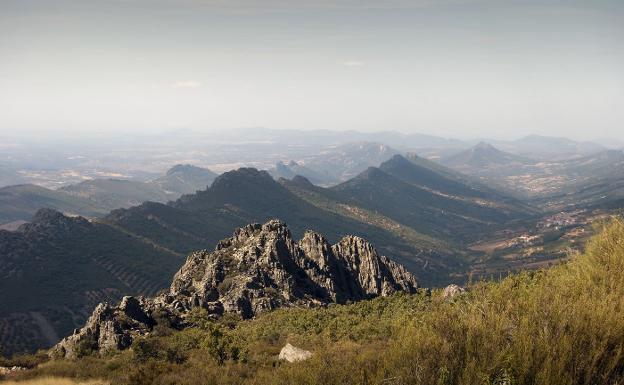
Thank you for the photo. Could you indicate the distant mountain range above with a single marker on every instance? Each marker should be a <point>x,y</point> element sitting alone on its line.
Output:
<point>548,147</point>
<point>324,138</point>
<point>416,212</point>
<point>22,201</point>
<point>96,197</point>
<point>482,156</point>
<point>595,180</point>
<point>336,164</point>
<point>113,193</point>
<point>331,165</point>
<point>292,169</point>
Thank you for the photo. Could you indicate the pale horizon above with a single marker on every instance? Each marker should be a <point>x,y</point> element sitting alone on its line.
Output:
<point>459,69</point>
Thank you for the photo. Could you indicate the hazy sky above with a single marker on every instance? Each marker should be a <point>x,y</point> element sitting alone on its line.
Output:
<point>463,68</point>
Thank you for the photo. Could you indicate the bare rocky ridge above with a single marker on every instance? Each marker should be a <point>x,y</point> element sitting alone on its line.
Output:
<point>260,268</point>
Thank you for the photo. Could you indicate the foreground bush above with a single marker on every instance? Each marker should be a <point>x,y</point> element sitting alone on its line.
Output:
<point>560,326</point>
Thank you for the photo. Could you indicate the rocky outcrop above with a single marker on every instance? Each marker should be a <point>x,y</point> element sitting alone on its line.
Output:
<point>5,370</point>
<point>260,268</point>
<point>109,328</point>
<point>293,354</point>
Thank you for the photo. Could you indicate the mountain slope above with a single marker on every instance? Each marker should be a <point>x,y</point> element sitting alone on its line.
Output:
<point>248,195</point>
<point>21,202</point>
<point>97,197</point>
<point>115,193</point>
<point>549,147</point>
<point>441,180</point>
<point>589,182</point>
<point>582,182</point>
<point>431,212</point>
<point>56,268</point>
<point>184,179</point>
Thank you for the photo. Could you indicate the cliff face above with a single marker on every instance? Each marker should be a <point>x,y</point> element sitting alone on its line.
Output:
<point>260,268</point>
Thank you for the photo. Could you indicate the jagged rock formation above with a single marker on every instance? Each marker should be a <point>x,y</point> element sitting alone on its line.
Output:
<point>260,268</point>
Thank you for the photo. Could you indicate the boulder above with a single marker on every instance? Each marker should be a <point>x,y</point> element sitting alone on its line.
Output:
<point>452,291</point>
<point>292,353</point>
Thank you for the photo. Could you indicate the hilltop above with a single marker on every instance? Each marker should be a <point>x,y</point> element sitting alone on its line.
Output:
<point>483,156</point>
<point>184,179</point>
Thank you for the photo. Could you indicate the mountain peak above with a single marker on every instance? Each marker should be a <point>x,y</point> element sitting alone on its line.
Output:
<point>47,215</point>
<point>370,173</point>
<point>302,181</point>
<point>397,160</point>
<point>243,174</point>
<point>47,219</point>
<point>482,155</point>
<point>260,268</point>
<point>52,216</point>
<point>182,168</point>
<point>484,146</point>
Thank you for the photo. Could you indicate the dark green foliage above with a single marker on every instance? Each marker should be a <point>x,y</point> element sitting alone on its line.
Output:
<point>68,264</point>
<point>86,347</point>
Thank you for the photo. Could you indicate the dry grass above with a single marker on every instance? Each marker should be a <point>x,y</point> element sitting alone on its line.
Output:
<point>54,381</point>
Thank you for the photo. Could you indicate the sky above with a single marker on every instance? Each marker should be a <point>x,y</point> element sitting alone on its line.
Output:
<point>455,68</point>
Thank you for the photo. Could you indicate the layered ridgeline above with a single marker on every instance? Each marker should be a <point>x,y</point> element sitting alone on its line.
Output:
<point>418,199</point>
<point>94,198</point>
<point>260,268</point>
<point>21,202</point>
<point>418,213</point>
<point>581,182</point>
